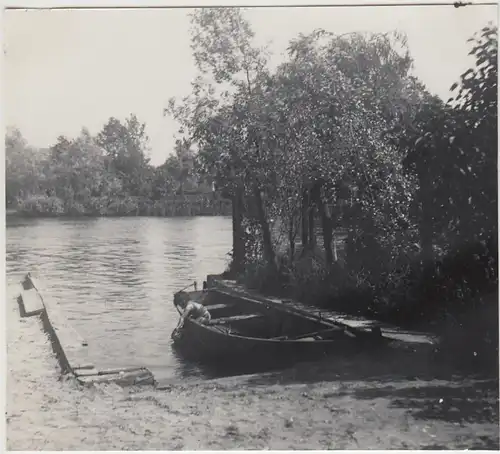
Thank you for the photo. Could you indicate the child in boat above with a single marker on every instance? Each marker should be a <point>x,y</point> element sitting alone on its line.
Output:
<point>190,309</point>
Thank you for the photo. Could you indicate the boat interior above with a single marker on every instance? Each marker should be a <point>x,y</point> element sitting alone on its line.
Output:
<point>242,318</point>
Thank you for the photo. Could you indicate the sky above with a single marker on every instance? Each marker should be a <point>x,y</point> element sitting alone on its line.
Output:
<point>65,70</point>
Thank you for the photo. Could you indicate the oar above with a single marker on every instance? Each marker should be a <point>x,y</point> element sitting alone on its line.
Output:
<point>193,284</point>
<point>303,336</point>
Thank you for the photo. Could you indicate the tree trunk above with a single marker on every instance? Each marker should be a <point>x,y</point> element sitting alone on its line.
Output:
<point>334,244</point>
<point>425,226</point>
<point>266,232</point>
<point>238,234</point>
<point>291,239</point>
<point>304,224</point>
<point>326,224</point>
<point>311,215</point>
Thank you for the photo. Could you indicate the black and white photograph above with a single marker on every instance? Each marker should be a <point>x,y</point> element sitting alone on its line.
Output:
<point>236,227</point>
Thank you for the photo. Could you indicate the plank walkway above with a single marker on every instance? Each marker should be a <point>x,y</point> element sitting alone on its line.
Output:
<point>349,321</point>
<point>70,348</point>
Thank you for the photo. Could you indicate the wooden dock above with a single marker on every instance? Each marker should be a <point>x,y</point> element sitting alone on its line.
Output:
<point>350,322</point>
<point>70,348</point>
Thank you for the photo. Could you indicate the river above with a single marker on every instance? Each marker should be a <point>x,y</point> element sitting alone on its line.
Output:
<point>116,277</point>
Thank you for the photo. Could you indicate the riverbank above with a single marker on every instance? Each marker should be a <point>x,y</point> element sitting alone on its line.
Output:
<point>181,205</point>
<point>394,402</point>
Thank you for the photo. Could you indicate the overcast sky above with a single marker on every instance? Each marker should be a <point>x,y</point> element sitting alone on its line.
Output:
<point>69,69</point>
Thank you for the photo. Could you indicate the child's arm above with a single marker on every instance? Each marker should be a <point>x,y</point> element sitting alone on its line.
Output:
<point>184,315</point>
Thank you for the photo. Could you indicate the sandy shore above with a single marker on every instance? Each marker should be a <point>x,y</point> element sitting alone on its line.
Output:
<point>365,403</point>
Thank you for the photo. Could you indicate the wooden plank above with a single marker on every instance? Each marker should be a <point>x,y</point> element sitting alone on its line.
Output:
<point>236,318</point>
<point>141,377</point>
<point>293,307</point>
<point>120,370</point>
<point>83,368</point>
<point>355,324</point>
<point>86,372</point>
<point>31,302</point>
<point>279,306</point>
<point>213,307</point>
<point>316,333</point>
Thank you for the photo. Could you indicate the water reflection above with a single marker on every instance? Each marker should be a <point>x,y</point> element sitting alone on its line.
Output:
<point>116,277</point>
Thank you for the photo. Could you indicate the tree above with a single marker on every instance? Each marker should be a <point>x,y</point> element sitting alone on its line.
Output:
<point>308,136</point>
<point>165,179</point>
<point>222,45</point>
<point>77,174</point>
<point>127,145</point>
<point>328,109</point>
<point>184,170</point>
<point>22,166</point>
<point>452,150</point>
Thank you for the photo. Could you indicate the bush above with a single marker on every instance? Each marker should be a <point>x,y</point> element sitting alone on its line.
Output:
<point>423,296</point>
<point>407,294</point>
<point>309,281</point>
<point>97,206</point>
<point>75,208</point>
<point>41,205</point>
<point>469,337</point>
<point>123,206</point>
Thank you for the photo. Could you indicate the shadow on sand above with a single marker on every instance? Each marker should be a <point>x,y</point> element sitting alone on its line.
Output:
<point>453,402</point>
<point>428,391</point>
<point>413,381</point>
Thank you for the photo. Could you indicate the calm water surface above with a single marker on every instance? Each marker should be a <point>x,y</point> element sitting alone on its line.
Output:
<point>115,278</point>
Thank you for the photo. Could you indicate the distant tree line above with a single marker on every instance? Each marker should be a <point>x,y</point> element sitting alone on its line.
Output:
<point>109,174</point>
<point>344,136</point>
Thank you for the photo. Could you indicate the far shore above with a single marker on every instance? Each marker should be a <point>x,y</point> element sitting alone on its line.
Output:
<point>22,214</point>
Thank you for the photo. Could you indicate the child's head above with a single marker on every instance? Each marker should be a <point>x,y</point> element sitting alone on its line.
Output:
<point>181,299</point>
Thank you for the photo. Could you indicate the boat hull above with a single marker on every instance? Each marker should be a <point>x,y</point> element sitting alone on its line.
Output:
<point>206,343</point>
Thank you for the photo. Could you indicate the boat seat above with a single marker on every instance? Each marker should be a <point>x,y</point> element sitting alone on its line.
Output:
<point>235,318</point>
<point>213,307</point>
<point>316,335</point>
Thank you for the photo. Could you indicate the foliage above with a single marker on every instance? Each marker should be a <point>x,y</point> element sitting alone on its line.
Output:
<point>22,164</point>
<point>109,174</point>
<point>223,47</point>
<point>40,204</point>
<point>126,146</point>
<point>280,134</point>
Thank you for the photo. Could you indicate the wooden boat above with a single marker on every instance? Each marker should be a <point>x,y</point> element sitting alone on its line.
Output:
<point>244,329</point>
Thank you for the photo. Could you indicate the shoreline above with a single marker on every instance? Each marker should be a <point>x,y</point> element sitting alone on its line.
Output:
<point>26,215</point>
<point>200,204</point>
